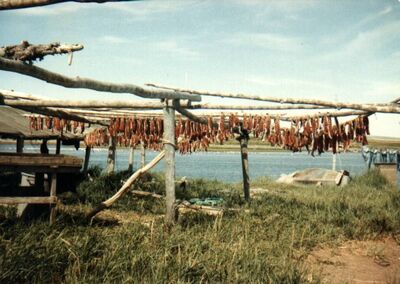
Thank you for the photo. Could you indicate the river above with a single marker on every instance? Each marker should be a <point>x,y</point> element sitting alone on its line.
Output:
<point>223,166</point>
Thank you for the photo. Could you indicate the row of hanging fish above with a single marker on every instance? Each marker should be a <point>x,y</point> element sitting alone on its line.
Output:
<point>315,134</point>
<point>55,123</point>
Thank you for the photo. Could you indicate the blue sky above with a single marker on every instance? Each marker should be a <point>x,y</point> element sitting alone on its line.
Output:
<point>346,51</point>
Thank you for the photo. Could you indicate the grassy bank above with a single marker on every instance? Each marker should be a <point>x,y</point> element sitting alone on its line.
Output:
<point>268,243</point>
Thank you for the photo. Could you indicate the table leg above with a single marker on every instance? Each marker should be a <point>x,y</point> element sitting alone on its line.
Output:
<point>53,193</point>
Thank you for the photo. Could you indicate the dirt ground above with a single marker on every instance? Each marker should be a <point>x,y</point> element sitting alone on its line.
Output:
<point>375,261</point>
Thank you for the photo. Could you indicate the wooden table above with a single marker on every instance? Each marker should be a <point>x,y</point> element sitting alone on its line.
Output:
<point>39,163</point>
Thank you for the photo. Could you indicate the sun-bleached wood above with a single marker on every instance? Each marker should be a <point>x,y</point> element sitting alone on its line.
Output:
<point>126,186</point>
<point>388,108</point>
<point>169,148</point>
<point>31,52</point>
<point>20,4</point>
<point>86,83</point>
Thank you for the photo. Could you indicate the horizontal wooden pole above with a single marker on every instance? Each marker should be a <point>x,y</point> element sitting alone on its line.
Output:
<point>31,200</point>
<point>86,83</point>
<point>20,4</point>
<point>386,108</point>
<point>29,52</point>
<point>9,99</point>
<point>61,114</point>
<point>84,104</point>
<point>327,113</point>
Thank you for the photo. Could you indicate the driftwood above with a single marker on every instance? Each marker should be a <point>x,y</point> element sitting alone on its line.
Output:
<point>142,193</point>
<point>19,4</point>
<point>85,83</point>
<point>28,52</point>
<point>186,207</point>
<point>126,186</point>
<point>386,108</point>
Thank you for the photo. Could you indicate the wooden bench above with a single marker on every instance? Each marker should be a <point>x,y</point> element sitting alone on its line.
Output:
<point>39,163</point>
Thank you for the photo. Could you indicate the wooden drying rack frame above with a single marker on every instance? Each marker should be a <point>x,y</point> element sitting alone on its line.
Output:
<point>170,100</point>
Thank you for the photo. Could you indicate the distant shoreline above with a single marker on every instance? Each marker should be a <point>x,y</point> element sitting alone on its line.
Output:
<point>254,145</point>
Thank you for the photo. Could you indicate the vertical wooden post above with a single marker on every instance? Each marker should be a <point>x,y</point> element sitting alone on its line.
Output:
<point>169,147</point>
<point>142,155</point>
<point>334,162</point>
<point>131,157</point>
<point>53,193</point>
<point>86,163</point>
<point>244,139</point>
<point>20,145</point>
<point>58,146</point>
<point>111,155</point>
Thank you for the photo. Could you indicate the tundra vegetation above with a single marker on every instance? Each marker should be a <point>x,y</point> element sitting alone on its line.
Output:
<point>267,240</point>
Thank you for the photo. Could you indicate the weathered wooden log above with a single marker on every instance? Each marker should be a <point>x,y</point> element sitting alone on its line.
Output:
<point>389,108</point>
<point>30,100</point>
<point>142,105</point>
<point>169,148</point>
<point>19,4</point>
<point>85,83</point>
<point>186,207</point>
<point>254,107</point>
<point>29,52</point>
<point>9,99</point>
<point>83,104</point>
<point>126,186</point>
<point>142,193</point>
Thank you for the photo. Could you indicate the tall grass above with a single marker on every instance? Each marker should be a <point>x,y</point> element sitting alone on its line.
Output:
<point>267,244</point>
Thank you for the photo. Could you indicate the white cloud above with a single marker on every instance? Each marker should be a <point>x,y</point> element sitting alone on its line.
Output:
<point>343,35</point>
<point>280,82</point>
<point>266,40</point>
<point>366,42</point>
<point>174,49</point>
<point>114,39</point>
<point>142,9</point>
<point>281,5</point>
<point>383,91</point>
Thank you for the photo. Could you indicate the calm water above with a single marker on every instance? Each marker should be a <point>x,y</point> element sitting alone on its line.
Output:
<point>223,166</point>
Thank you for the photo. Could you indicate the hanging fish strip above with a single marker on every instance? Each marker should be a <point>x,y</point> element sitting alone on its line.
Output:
<point>315,134</point>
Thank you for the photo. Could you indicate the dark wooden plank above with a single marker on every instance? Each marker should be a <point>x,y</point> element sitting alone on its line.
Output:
<point>31,200</point>
<point>23,159</point>
<point>39,169</point>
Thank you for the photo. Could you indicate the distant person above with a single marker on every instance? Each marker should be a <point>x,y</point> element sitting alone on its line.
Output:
<point>43,147</point>
<point>368,155</point>
<point>398,160</point>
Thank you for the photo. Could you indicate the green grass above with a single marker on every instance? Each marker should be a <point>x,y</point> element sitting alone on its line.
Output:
<point>269,243</point>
